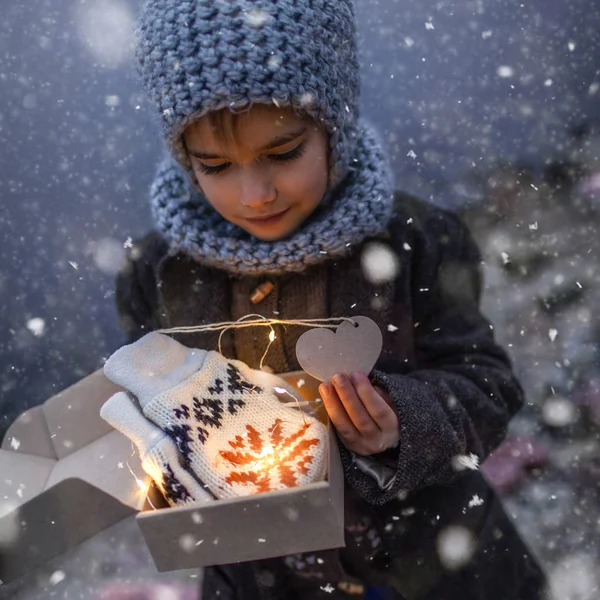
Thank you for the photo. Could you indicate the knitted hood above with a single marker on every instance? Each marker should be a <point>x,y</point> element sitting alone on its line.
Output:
<point>198,56</point>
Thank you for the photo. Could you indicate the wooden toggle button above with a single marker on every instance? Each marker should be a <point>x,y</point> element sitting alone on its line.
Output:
<point>261,292</point>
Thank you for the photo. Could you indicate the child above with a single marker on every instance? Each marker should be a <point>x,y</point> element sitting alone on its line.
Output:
<point>273,178</point>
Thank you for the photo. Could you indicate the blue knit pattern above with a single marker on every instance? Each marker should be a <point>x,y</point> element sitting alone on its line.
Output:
<point>359,208</point>
<point>197,56</point>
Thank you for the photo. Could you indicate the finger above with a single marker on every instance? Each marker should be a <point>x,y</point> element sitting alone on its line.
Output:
<point>385,396</point>
<point>378,409</point>
<point>354,406</point>
<point>337,413</point>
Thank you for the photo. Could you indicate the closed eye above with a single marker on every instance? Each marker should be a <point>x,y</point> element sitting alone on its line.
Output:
<point>297,152</point>
<point>212,170</point>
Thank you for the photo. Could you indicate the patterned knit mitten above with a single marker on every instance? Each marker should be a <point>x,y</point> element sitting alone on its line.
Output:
<point>231,430</point>
<point>158,453</point>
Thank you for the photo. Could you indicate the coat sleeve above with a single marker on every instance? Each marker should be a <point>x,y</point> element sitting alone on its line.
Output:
<point>461,397</point>
<point>136,287</point>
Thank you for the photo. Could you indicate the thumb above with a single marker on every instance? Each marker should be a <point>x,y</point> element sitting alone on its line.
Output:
<point>121,412</point>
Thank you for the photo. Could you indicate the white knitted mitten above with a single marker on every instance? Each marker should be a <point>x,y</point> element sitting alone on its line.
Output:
<point>158,452</point>
<point>231,430</point>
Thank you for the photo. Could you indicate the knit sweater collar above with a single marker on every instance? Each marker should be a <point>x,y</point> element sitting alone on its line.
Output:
<point>359,208</point>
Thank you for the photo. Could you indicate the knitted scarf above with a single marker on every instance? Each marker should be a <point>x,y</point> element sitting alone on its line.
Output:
<point>360,207</point>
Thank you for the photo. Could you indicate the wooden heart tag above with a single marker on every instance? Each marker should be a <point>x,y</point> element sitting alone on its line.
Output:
<point>322,353</point>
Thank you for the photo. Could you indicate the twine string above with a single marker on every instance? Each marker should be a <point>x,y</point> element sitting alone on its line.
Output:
<point>258,321</point>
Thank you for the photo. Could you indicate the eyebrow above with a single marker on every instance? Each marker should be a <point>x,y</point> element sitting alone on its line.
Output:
<point>278,141</point>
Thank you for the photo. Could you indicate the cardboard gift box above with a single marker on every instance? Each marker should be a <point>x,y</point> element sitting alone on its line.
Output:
<point>67,475</point>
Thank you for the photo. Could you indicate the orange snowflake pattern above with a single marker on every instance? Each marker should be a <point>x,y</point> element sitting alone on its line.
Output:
<point>259,462</point>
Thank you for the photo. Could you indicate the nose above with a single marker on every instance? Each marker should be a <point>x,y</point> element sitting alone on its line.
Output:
<point>257,189</point>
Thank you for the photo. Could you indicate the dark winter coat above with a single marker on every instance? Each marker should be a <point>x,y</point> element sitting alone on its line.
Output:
<point>452,385</point>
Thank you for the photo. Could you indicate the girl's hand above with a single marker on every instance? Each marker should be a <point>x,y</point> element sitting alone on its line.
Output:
<point>362,414</point>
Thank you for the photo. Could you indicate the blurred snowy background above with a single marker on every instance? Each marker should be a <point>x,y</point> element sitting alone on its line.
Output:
<point>487,106</point>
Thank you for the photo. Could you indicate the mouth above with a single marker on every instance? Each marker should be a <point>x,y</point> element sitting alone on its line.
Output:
<point>268,219</point>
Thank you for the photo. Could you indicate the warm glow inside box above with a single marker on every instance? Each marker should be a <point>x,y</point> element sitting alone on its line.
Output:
<point>302,519</point>
<point>67,475</point>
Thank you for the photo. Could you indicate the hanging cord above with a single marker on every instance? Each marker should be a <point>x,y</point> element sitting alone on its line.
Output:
<point>258,321</point>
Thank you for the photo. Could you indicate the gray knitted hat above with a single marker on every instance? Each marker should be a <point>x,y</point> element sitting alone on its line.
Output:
<point>197,56</point>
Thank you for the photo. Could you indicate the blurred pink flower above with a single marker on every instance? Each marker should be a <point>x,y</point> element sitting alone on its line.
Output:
<point>148,591</point>
<point>507,466</point>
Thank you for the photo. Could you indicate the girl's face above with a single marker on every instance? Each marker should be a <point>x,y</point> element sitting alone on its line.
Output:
<point>270,177</point>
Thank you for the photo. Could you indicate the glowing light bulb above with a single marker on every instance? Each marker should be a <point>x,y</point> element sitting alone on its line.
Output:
<point>266,451</point>
<point>266,459</point>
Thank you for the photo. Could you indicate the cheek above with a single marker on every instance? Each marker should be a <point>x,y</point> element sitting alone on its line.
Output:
<point>217,190</point>
<point>308,179</point>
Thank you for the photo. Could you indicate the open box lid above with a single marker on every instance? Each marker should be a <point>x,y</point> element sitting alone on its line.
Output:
<point>67,475</point>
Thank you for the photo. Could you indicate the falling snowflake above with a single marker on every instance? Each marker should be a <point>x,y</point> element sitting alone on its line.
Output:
<point>108,254</point>
<point>57,577</point>
<point>505,72</point>
<point>558,411</point>
<point>14,443</point>
<point>328,588</point>
<point>257,17</point>
<point>112,101</point>
<point>391,328</point>
<point>307,99</point>
<point>105,28</point>
<point>461,462</point>
<point>260,462</point>
<point>187,542</point>
<point>379,263</point>
<point>455,546</point>
<point>291,513</point>
<point>475,501</point>
<point>37,326</point>
<point>274,62</point>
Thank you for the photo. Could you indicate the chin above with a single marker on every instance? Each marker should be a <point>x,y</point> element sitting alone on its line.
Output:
<point>274,234</point>
<point>271,237</point>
